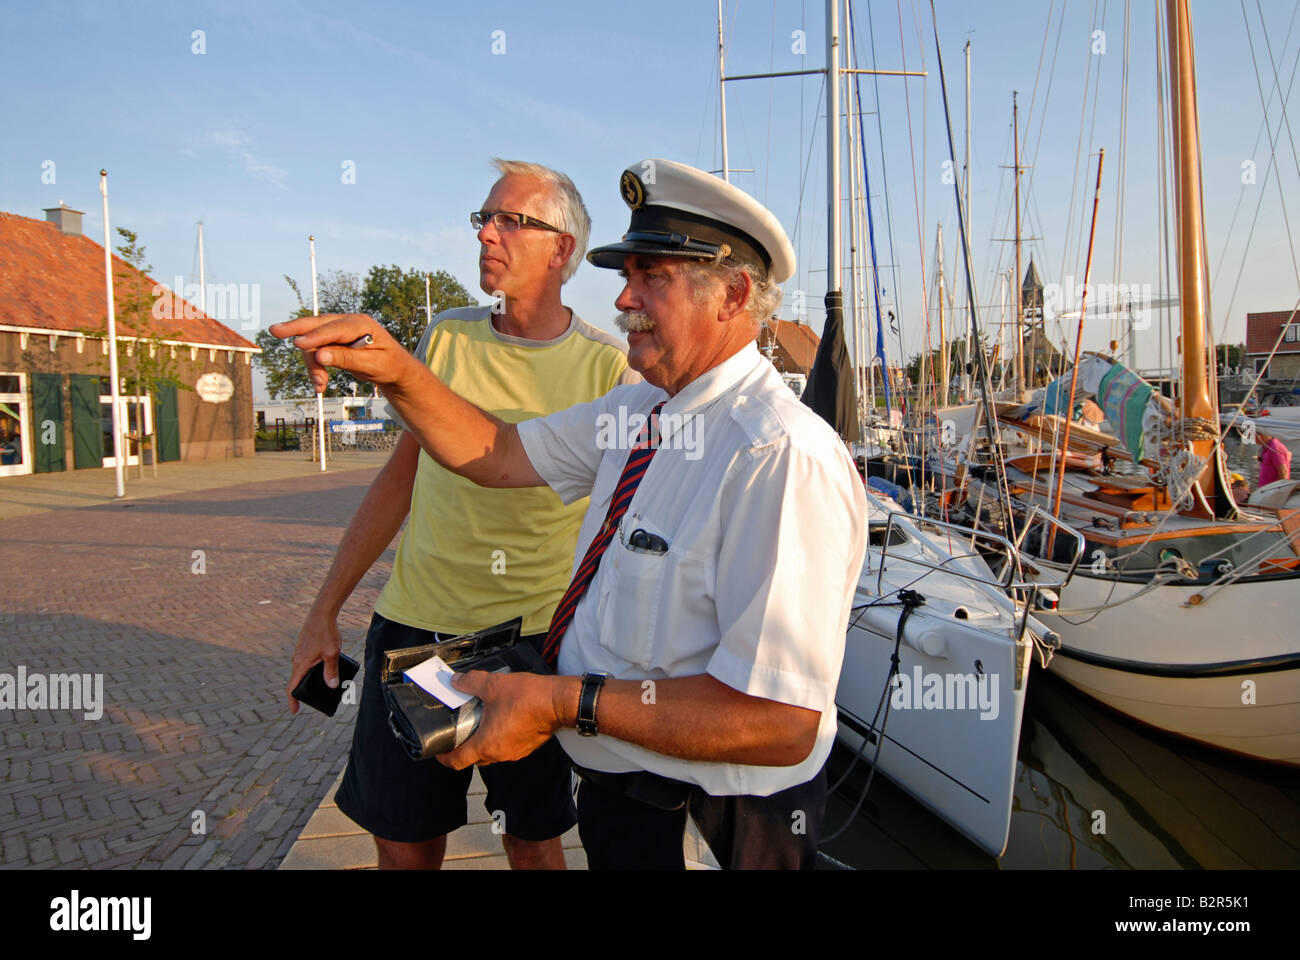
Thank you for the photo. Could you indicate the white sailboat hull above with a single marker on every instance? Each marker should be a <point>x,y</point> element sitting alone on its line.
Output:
<point>959,763</point>
<point>1225,672</point>
<point>952,731</point>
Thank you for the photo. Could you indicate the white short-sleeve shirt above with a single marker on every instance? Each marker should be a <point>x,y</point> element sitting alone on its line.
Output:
<point>764,516</point>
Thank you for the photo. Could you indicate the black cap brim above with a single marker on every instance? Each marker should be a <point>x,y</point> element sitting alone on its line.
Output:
<point>611,255</point>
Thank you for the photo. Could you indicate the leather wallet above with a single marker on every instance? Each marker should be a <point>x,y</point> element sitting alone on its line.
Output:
<point>312,690</point>
<point>424,725</point>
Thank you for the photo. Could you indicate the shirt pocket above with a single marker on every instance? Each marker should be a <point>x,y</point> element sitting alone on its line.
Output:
<point>630,604</point>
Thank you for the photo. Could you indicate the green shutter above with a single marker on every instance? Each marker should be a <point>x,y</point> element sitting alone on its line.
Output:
<point>168,424</point>
<point>87,422</point>
<point>47,424</point>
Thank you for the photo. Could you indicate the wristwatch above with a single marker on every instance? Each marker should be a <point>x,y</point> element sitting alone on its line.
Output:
<point>591,684</point>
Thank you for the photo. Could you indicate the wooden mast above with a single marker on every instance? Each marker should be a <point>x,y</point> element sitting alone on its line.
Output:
<point>1195,388</point>
<point>1021,386</point>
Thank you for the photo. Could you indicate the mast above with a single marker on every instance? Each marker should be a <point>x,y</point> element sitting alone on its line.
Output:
<point>320,395</point>
<point>965,372</point>
<point>1197,379</point>
<point>945,359</point>
<point>833,150</point>
<point>722,96</point>
<point>1020,333</point>
<point>203,289</point>
<point>119,454</point>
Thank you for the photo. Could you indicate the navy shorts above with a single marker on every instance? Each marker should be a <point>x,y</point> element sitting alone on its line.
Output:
<point>412,801</point>
<point>624,828</point>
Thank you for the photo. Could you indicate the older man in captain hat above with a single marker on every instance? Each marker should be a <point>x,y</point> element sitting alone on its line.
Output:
<point>699,645</point>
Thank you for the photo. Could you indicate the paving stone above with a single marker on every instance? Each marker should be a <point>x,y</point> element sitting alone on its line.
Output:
<point>194,715</point>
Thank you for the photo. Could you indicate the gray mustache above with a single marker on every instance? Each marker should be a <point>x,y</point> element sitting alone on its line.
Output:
<point>634,321</point>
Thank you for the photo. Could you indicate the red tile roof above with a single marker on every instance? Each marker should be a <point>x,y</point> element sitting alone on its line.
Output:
<point>55,281</point>
<point>798,340</point>
<point>1262,330</point>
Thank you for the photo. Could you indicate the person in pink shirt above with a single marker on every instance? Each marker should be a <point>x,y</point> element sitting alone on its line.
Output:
<point>1274,459</point>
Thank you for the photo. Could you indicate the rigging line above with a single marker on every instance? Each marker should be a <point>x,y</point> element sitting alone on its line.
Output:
<point>808,162</point>
<point>986,386</point>
<point>1066,258</point>
<point>1120,177</point>
<point>871,228</point>
<point>1032,165</point>
<point>1164,252</point>
<point>1277,82</point>
<point>1263,127</point>
<point>1042,53</point>
<point>705,114</point>
<point>917,199</point>
<point>771,87</point>
<point>884,181</point>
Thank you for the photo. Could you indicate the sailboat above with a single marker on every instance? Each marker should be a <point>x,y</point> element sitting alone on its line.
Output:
<point>1182,615</point>
<point>938,649</point>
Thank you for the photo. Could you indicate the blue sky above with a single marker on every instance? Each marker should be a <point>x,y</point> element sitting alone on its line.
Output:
<point>252,135</point>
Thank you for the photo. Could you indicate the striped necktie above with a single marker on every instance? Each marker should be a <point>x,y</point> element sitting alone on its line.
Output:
<point>638,461</point>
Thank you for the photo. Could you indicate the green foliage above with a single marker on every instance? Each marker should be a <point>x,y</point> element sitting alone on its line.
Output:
<point>281,362</point>
<point>150,364</point>
<point>1236,354</point>
<point>395,298</point>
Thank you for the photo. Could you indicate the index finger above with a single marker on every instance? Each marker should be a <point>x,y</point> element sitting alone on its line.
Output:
<point>309,333</point>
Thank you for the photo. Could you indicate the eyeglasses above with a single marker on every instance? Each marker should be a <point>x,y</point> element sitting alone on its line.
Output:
<point>505,222</point>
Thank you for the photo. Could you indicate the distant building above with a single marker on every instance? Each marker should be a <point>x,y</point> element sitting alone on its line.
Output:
<point>54,390</point>
<point>303,409</point>
<point>1262,330</point>
<point>791,346</point>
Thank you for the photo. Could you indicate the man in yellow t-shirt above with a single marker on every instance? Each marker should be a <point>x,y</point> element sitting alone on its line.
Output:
<point>471,556</point>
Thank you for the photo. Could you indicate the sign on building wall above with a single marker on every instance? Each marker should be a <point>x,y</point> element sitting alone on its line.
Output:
<point>214,387</point>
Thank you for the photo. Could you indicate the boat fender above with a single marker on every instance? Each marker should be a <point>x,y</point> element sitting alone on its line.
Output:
<point>930,642</point>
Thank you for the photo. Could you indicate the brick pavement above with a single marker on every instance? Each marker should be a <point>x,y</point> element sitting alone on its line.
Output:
<point>193,665</point>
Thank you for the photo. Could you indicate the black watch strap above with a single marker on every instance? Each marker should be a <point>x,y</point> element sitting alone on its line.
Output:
<point>591,684</point>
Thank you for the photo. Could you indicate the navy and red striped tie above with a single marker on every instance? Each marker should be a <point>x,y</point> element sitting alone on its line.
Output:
<point>638,461</point>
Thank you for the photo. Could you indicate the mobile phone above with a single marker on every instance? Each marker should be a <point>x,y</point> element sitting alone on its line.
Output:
<point>312,690</point>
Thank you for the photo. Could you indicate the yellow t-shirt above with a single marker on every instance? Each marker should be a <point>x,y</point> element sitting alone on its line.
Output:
<point>473,556</point>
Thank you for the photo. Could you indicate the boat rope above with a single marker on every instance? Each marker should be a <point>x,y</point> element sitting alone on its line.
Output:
<point>909,600</point>
<point>1251,565</point>
<point>1155,583</point>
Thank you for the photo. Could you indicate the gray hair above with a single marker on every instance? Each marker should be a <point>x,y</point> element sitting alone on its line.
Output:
<point>764,296</point>
<point>563,207</point>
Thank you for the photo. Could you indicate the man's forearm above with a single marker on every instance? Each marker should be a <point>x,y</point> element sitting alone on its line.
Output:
<point>458,435</point>
<point>373,527</point>
<point>695,718</point>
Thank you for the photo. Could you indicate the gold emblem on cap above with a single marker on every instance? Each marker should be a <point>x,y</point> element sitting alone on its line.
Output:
<point>633,190</point>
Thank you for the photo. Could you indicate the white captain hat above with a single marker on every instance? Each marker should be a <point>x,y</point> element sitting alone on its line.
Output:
<point>679,211</point>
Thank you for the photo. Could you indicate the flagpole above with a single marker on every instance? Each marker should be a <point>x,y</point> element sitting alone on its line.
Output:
<point>119,468</point>
<point>320,394</point>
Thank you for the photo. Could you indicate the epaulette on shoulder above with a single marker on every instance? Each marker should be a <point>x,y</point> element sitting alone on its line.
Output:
<point>761,421</point>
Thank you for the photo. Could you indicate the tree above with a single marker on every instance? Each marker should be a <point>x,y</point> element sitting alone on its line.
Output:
<point>396,299</point>
<point>146,363</point>
<point>1236,355</point>
<point>393,296</point>
<point>150,364</point>
<point>286,376</point>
